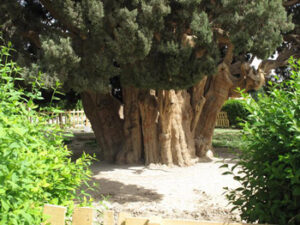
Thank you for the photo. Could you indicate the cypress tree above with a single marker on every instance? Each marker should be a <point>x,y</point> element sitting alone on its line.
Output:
<point>177,62</point>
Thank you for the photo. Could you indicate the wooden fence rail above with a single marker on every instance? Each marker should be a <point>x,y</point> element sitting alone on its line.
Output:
<point>85,216</point>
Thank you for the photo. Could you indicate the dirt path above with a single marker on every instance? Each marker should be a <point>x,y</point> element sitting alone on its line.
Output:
<point>190,193</point>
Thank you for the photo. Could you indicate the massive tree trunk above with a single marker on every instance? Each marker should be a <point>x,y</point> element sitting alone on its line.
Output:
<point>219,86</point>
<point>103,112</point>
<point>172,127</point>
<point>131,150</point>
<point>175,137</point>
<point>157,127</point>
<point>148,107</point>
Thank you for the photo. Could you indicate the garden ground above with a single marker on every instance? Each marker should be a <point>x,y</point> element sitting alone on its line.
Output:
<point>194,192</point>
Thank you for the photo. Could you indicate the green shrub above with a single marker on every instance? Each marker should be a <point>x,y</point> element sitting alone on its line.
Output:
<point>35,167</point>
<point>269,166</point>
<point>236,112</point>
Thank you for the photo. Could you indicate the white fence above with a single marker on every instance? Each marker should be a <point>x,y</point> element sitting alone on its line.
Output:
<point>71,119</point>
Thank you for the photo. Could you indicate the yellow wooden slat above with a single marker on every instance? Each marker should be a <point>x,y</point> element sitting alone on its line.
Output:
<point>77,117</point>
<point>68,121</point>
<point>179,222</point>
<point>73,118</point>
<point>122,217</point>
<point>191,222</point>
<point>108,218</point>
<point>82,118</point>
<point>55,214</point>
<point>83,216</point>
<point>136,221</point>
<point>155,221</point>
<point>60,119</point>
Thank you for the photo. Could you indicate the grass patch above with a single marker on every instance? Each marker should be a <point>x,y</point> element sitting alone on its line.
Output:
<point>227,138</point>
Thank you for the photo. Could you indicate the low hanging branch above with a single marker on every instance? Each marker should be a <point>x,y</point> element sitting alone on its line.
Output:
<point>267,65</point>
<point>223,39</point>
<point>291,2</point>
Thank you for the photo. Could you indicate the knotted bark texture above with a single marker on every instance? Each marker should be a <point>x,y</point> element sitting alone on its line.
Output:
<point>172,127</point>
<point>103,112</point>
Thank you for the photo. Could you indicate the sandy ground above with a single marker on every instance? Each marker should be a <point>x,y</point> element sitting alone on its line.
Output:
<point>194,192</point>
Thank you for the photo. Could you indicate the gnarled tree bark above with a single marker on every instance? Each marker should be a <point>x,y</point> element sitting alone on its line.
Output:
<point>175,136</point>
<point>103,112</point>
<point>216,95</point>
<point>132,149</point>
<point>172,127</point>
<point>148,106</point>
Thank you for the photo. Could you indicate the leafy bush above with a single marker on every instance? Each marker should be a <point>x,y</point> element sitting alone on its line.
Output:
<point>269,166</point>
<point>35,167</point>
<point>236,111</point>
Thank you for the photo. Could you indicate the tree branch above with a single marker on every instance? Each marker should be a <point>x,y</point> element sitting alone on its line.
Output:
<point>235,68</point>
<point>33,37</point>
<point>223,39</point>
<point>229,54</point>
<point>267,65</point>
<point>290,3</point>
<point>295,38</point>
<point>48,5</point>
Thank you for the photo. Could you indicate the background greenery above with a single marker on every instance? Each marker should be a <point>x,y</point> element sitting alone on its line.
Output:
<point>236,112</point>
<point>227,138</point>
<point>35,167</point>
<point>269,168</point>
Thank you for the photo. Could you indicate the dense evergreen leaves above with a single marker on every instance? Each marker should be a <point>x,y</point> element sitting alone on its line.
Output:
<point>160,44</point>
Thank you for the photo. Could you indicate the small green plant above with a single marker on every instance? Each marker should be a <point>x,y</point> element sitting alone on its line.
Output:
<point>269,166</point>
<point>35,167</point>
<point>236,112</point>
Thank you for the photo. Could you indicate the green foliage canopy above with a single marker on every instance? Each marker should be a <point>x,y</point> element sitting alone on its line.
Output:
<point>84,43</point>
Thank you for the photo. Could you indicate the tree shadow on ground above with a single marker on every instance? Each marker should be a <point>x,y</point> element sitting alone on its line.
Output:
<point>122,193</point>
<point>227,155</point>
<point>137,168</point>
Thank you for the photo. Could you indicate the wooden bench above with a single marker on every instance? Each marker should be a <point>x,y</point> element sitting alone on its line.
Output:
<point>222,120</point>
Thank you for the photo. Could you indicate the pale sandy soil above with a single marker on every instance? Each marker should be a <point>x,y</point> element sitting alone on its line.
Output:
<point>194,192</point>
